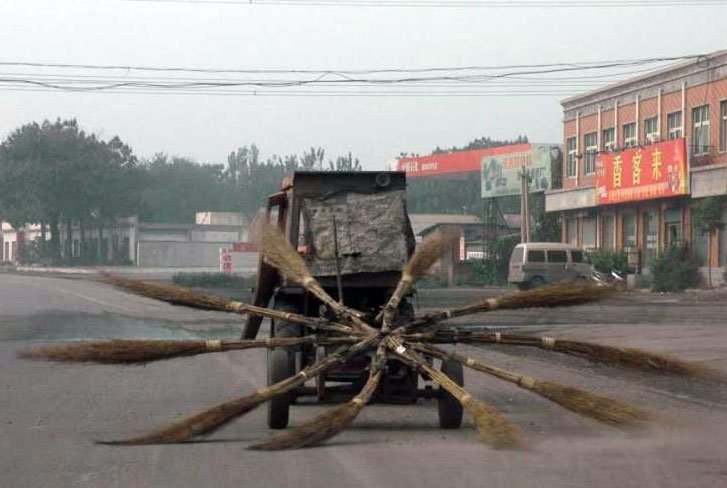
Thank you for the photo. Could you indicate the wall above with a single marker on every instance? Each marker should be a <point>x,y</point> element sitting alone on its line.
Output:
<point>179,254</point>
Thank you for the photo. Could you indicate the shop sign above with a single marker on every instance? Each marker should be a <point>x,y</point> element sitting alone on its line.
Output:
<point>655,171</point>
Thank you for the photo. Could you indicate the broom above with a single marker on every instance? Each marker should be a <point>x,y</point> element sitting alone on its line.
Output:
<point>623,356</point>
<point>597,407</point>
<point>121,351</point>
<point>423,258</point>
<point>212,419</point>
<point>331,422</point>
<point>280,254</point>
<point>177,295</point>
<point>494,429</point>
<point>555,295</point>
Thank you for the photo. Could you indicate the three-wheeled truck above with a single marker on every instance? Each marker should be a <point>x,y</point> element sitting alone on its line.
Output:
<point>353,231</point>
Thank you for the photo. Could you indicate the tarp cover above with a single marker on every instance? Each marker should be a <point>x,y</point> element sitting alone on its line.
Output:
<point>374,232</point>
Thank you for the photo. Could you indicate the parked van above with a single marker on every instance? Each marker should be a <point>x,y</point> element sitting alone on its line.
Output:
<point>533,264</point>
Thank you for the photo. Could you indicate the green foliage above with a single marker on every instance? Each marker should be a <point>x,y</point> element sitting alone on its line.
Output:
<point>495,269</point>
<point>674,270</point>
<point>211,280</point>
<point>605,261</point>
<point>707,215</point>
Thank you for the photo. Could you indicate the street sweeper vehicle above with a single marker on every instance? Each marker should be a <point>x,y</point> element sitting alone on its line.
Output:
<point>353,232</point>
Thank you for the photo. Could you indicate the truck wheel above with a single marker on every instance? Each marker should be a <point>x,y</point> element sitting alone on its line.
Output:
<point>281,365</point>
<point>535,282</point>
<point>450,410</point>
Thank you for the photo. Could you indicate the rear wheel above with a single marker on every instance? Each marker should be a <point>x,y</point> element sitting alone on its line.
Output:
<point>281,365</point>
<point>535,282</point>
<point>450,410</point>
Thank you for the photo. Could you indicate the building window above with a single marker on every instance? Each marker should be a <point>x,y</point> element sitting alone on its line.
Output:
<point>674,125</point>
<point>629,231</point>
<point>589,232</point>
<point>572,158</point>
<point>591,143</point>
<point>700,136</point>
<point>651,130</point>
<point>570,231</point>
<point>608,231</point>
<point>651,230</point>
<point>673,226</point>
<point>609,139</point>
<point>723,125</point>
<point>629,135</point>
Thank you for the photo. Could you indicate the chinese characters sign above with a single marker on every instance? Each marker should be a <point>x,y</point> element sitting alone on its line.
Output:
<point>655,171</point>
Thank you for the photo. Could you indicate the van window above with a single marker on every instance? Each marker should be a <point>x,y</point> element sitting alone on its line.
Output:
<point>578,257</point>
<point>517,255</point>
<point>557,257</point>
<point>536,256</point>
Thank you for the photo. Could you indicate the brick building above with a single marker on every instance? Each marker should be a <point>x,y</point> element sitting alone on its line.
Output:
<point>638,154</point>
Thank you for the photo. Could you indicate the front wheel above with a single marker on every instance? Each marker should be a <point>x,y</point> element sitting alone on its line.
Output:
<point>280,367</point>
<point>450,410</point>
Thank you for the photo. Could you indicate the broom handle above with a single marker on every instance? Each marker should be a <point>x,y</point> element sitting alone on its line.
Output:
<point>315,324</point>
<point>472,363</point>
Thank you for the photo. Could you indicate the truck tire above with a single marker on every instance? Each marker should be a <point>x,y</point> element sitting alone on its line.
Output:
<point>281,365</point>
<point>450,410</point>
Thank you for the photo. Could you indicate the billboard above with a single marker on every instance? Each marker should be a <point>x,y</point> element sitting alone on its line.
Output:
<point>655,171</point>
<point>451,164</point>
<point>500,171</point>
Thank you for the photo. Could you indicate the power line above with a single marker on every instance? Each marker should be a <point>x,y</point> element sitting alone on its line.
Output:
<point>451,4</point>
<point>128,68</point>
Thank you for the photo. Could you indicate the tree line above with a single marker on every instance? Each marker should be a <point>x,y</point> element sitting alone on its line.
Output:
<point>56,174</point>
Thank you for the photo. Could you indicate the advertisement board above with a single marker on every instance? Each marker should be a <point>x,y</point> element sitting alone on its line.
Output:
<point>500,171</point>
<point>452,163</point>
<point>654,171</point>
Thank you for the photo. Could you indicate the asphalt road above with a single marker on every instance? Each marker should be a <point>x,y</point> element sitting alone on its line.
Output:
<point>50,414</point>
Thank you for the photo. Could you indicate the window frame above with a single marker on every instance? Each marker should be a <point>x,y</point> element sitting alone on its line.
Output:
<point>558,251</point>
<point>572,157</point>
<point>723,125</point>
<point>590,153</point>
<point>532,251</point>
<point>678,130</point>
<point>651,136</point>
<point>633,140</point>
<point>608,145</point>
<point>701,125</point>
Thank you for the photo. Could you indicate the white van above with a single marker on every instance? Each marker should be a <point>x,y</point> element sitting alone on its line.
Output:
<point>533,264</point>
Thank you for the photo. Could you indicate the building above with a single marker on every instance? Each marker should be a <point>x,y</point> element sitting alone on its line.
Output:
<point>638,154</point>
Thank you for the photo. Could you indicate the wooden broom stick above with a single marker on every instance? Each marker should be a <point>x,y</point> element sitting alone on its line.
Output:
<point>177,295</point>
<point>622,356</point>
<point>280,254</point>
<point>601,408</point>
<point>494,429</point>
<point>331,422</point>
<point>122,351</point>
<point>556,295</point>
<point>212,419</point>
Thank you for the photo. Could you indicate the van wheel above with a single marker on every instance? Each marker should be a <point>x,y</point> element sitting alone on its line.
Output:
<point>535,282</point>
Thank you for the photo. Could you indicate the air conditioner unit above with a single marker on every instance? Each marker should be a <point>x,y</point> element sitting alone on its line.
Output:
<point>653,138</point>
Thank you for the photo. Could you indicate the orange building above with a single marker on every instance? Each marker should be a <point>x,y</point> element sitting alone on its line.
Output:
<point>637,154</point>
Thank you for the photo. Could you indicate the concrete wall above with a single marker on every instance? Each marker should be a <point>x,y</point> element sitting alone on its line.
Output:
<point>179,254</point>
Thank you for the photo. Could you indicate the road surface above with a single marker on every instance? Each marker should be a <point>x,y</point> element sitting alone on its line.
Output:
<point>50,414</point>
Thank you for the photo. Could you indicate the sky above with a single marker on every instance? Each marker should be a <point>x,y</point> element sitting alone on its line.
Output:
<point>375,129</point>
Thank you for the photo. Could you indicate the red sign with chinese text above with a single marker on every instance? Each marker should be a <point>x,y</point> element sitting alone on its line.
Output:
<point>455,162</point>
<point>655,171</point>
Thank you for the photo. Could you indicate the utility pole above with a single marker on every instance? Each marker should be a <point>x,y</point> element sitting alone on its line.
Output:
<point>525,178</point>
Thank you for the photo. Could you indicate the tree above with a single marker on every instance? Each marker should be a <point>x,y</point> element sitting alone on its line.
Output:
<point>708,220</point>
<point>55,173</point>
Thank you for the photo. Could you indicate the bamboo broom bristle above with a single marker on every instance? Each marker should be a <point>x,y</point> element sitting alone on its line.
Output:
<point>116,351</point>
<point>493,428</point>
<point>555,295</point>
<point>199,424</point>
<point>597,407</point>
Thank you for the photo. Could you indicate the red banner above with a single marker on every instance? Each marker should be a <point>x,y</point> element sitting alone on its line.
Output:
<point>456,162</point>
<point>655,171</point>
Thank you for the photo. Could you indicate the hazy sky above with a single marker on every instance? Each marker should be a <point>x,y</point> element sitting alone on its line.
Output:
<point>207,128</point>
